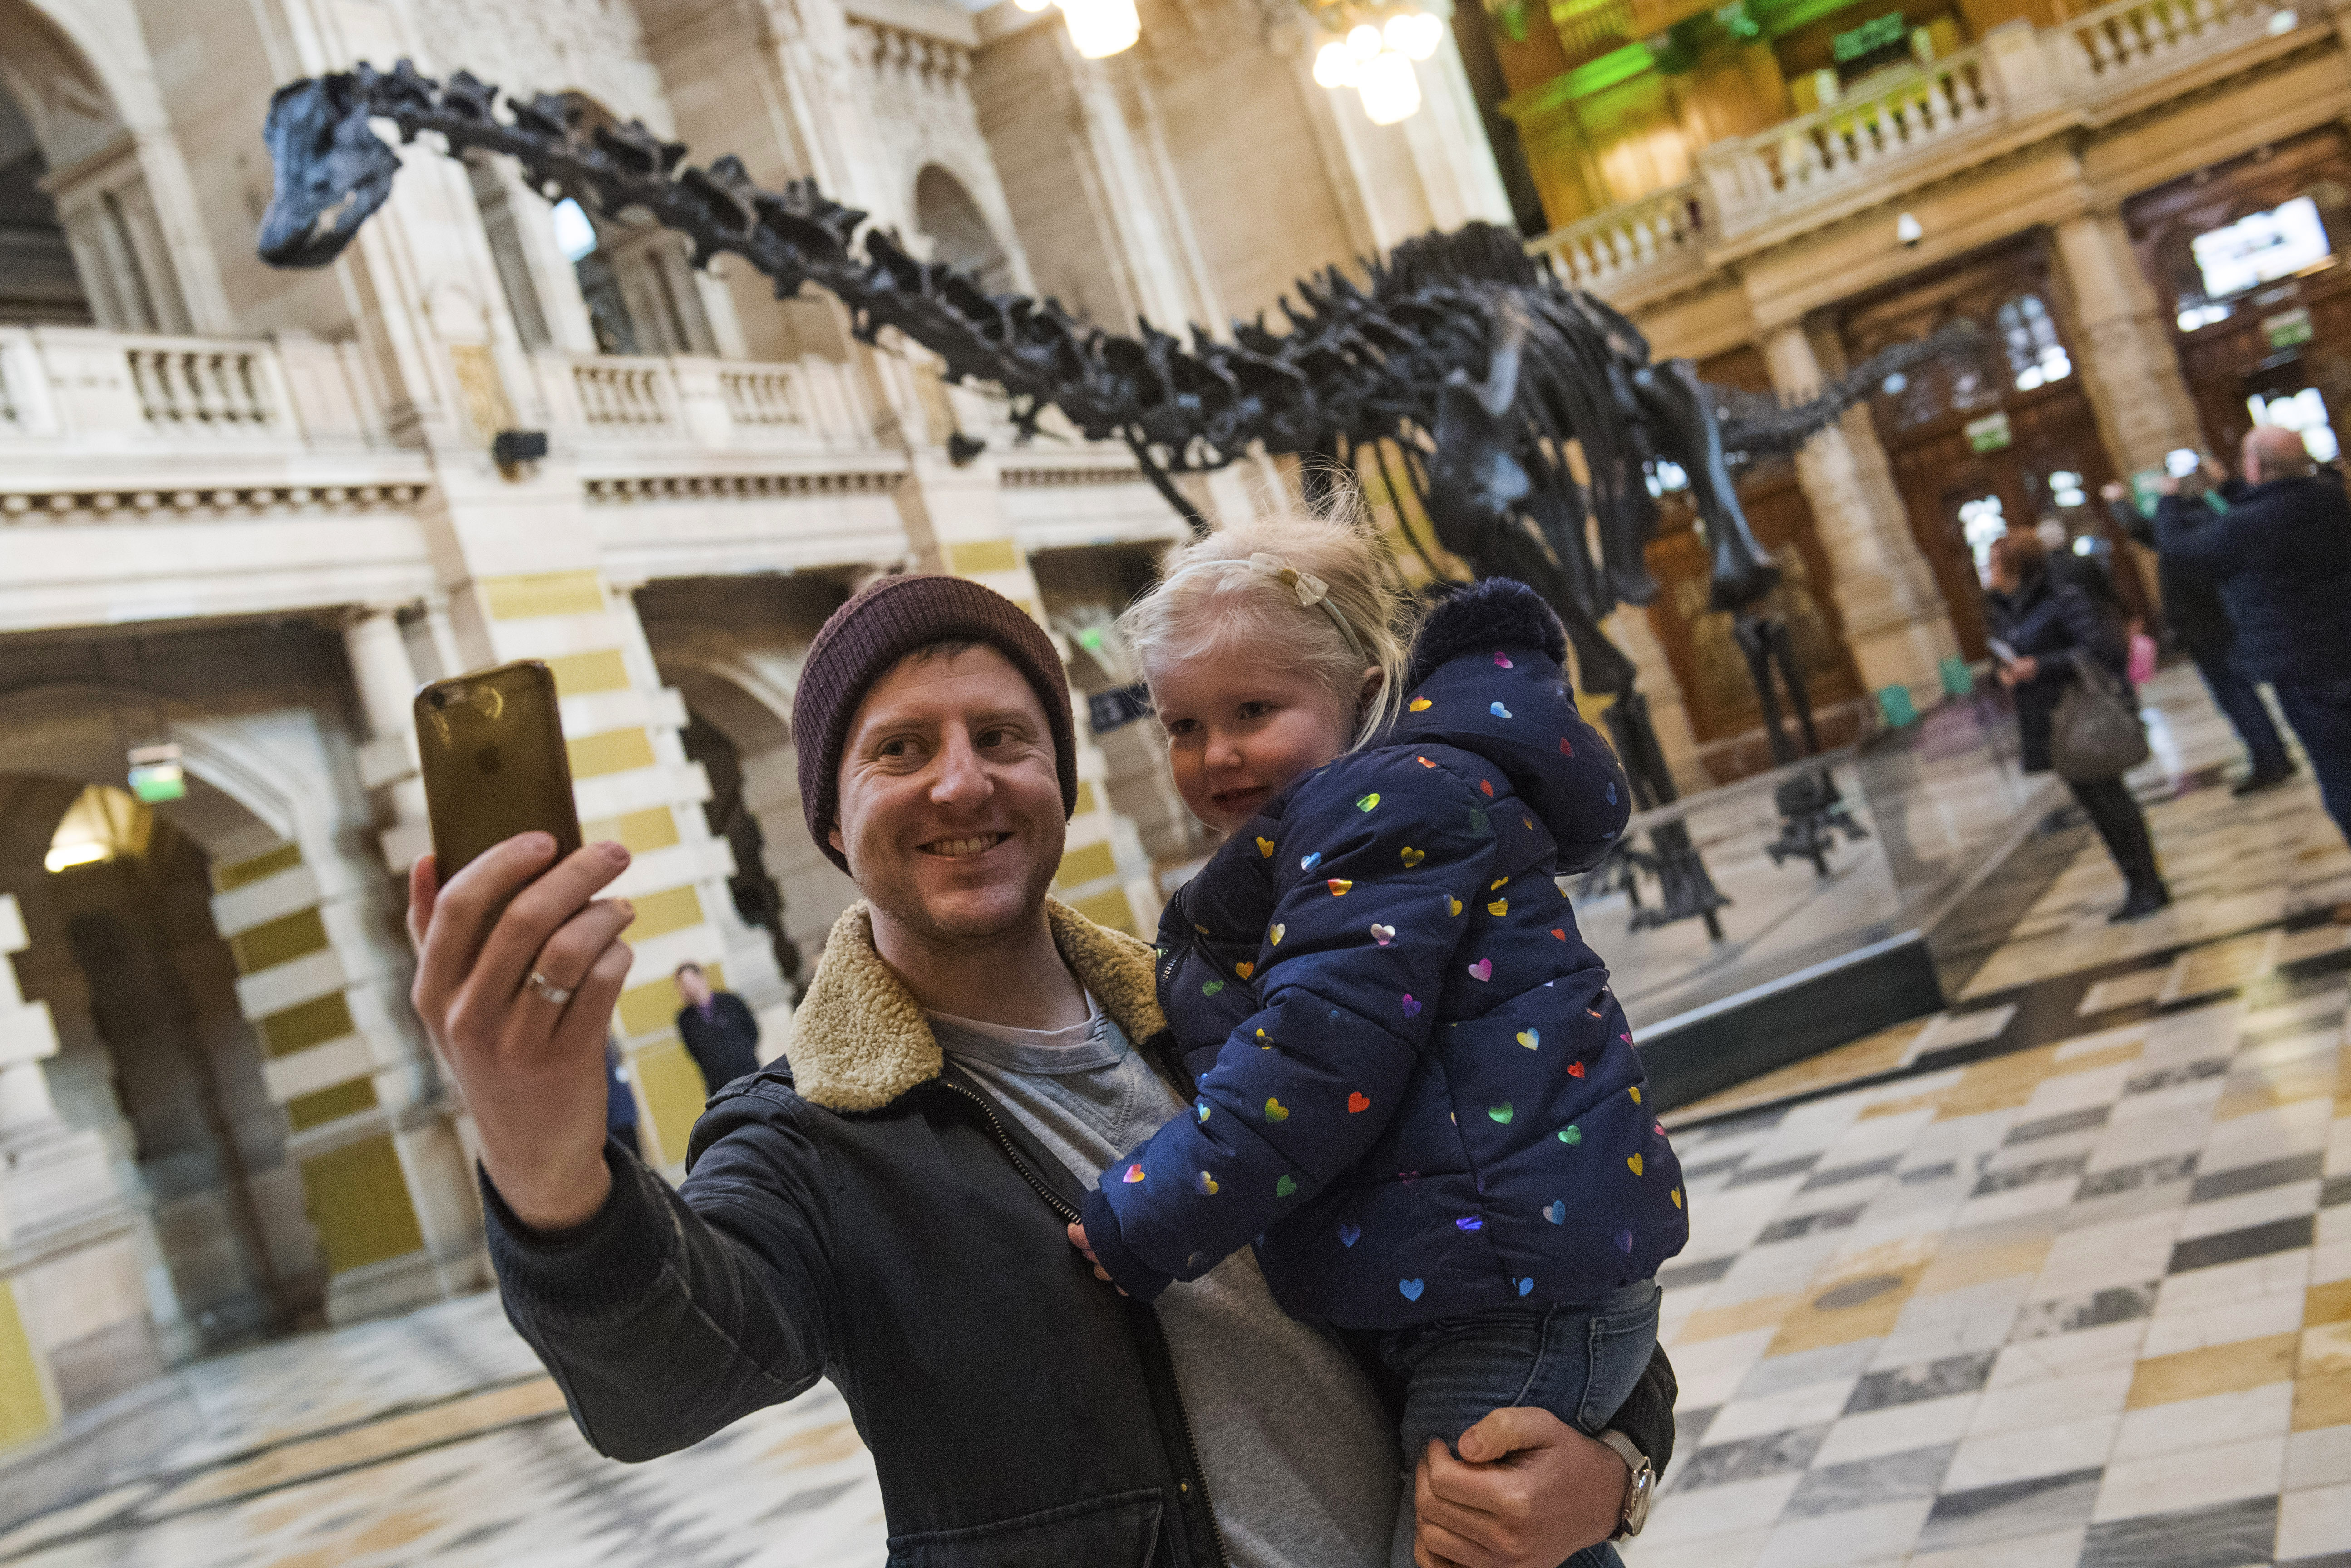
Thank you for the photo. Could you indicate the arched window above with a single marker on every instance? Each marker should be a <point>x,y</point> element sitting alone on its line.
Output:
<point>37,283</point>
<point>2029,333</point>
<point>80,238</point>
<point>634,276</point>
<point>959,231</point>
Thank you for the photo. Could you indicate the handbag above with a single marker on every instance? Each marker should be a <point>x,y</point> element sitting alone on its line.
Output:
<point>2095,735</point>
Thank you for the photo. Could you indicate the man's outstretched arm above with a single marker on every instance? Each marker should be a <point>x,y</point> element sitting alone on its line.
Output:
<point>662,1317</point>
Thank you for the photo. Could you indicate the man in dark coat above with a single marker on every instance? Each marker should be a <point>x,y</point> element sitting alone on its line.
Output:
<point>2191,603</point>
<point>2280,556</point>
<point>890,1211</point>
<point>718,1029</point>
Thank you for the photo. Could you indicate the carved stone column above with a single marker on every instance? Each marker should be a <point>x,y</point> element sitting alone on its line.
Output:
<point>74,1324</point>
<point>386,680</point>
<point>1895,620</point>
<point>2128,368</point>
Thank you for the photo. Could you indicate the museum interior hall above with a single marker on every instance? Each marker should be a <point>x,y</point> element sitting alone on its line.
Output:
<point>347,346</point>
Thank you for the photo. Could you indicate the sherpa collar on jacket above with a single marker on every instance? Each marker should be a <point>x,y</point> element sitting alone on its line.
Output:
<point>860,1039</point>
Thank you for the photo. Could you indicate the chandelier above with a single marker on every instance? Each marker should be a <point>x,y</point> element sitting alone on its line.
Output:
<point>1098,28</point>
<point>1375,57</point>
<point>1372,52</point>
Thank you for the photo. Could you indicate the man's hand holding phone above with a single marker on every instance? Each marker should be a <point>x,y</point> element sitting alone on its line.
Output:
<point>519,967</point>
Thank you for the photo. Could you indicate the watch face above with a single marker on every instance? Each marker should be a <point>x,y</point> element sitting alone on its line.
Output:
<point>1636,1506</point>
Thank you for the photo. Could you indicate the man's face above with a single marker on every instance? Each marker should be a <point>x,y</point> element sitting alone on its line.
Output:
<point>693,985</point>
<point>950,802</point>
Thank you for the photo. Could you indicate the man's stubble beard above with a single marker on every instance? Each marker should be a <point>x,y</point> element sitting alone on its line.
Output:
<point>898,901</point>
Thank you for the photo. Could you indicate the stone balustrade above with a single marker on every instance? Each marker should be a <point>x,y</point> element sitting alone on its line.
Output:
<point>2117,44</point>
<point>1756,180</point>
<point>93,391</point>
<point>67,393</point>
<point>691,404</point>
<point>1922,124</point>
<point>1634,237</point>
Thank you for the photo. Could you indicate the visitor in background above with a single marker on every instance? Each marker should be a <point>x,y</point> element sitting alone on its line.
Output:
<point>2043,624</point>
<point>718,1029</point>
<point>620,1103</point>
<point>2192,605</point>
<point>2091,571</point>
<point>2280,556</point>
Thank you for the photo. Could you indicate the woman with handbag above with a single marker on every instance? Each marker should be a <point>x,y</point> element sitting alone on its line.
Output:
<point>2074,710</point>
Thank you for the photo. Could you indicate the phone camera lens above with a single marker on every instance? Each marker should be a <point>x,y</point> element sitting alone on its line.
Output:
<point>437,699</point>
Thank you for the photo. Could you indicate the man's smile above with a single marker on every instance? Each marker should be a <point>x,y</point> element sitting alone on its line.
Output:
<point>963,848</point>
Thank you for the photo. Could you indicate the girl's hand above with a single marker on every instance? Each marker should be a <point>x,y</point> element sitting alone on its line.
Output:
<point>1077,1240</point>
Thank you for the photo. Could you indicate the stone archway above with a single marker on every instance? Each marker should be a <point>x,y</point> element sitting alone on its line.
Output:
<point>745,696</point>
<point>354,1190</point>
<point>117,187</point>
<point>959,230</point>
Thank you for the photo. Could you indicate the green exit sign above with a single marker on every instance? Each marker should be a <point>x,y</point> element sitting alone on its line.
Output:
<point>1869,38</point>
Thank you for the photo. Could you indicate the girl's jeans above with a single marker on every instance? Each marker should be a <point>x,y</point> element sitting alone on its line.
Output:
<point>1579,1362</point>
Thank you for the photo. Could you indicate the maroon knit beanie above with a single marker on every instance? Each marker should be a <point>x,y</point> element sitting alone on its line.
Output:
<point>890,618</point>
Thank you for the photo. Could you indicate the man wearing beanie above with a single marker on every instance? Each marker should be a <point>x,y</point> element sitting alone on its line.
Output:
<point>886,1206</point>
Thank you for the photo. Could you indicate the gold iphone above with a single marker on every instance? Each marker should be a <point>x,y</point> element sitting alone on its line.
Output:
<point>491,742</point>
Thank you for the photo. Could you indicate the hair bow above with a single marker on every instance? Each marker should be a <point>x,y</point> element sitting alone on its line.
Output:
<point>1310,589</point>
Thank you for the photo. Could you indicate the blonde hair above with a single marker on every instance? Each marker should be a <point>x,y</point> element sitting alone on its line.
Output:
<point>1304,589</point>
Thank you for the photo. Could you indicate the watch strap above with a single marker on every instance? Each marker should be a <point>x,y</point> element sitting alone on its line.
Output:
<point>1638,1486</point>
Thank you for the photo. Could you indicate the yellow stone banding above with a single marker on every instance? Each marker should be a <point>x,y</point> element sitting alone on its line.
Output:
<point>25,1411</point>
<point>278,941</point>
<point>614,751</point>
<point>532,594</point>
<point>316,1110</point>
<point>576,674</point>
<point>1089,863</point>
<point>639,832</point>
<point>659,913</point>
<point>241,873</point>
<point>675,1093</point>
<point>1110,907</point>
<point>309,1023</point>
<point>983,555</point>
<point>358,1200</point>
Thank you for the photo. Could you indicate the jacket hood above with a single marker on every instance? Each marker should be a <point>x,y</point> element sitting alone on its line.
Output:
<point>859,1038</point>
<point>1476,650</point>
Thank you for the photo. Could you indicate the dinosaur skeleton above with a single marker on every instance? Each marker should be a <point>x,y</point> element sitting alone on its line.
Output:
<point>1462,373</point>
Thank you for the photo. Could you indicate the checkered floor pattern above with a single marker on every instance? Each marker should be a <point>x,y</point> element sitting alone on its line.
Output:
<point>2087,1302</point>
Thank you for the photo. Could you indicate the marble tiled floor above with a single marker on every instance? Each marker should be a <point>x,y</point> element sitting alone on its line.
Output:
<point>2086,1303</point>
<point>2059,1277</point>
<point>434,1438</point>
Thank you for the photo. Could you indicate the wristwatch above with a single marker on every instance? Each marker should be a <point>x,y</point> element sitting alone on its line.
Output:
<point>1641,1491</point>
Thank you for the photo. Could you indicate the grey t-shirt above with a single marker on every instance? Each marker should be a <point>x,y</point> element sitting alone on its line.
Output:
<point>1299,1455</point>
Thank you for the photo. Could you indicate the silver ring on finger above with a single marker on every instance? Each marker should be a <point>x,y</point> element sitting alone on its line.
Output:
<point>548,989</point>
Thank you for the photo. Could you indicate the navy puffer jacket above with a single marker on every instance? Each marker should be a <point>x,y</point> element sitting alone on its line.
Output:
<point>1414,1091</point>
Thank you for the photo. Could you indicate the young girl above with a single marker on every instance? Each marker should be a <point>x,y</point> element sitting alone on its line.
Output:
<point>1414,1091</point>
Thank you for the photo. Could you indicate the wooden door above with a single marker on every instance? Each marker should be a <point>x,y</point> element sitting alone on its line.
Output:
<point>2001,438</point>
<point>2286,339</point>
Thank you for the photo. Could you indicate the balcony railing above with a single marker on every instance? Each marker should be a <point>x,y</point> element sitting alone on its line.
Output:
<point>687,403</point>
<point>1609,248</point>
<point>1914,125</point>
<point>1844,144</point>
<point>105,391</point>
